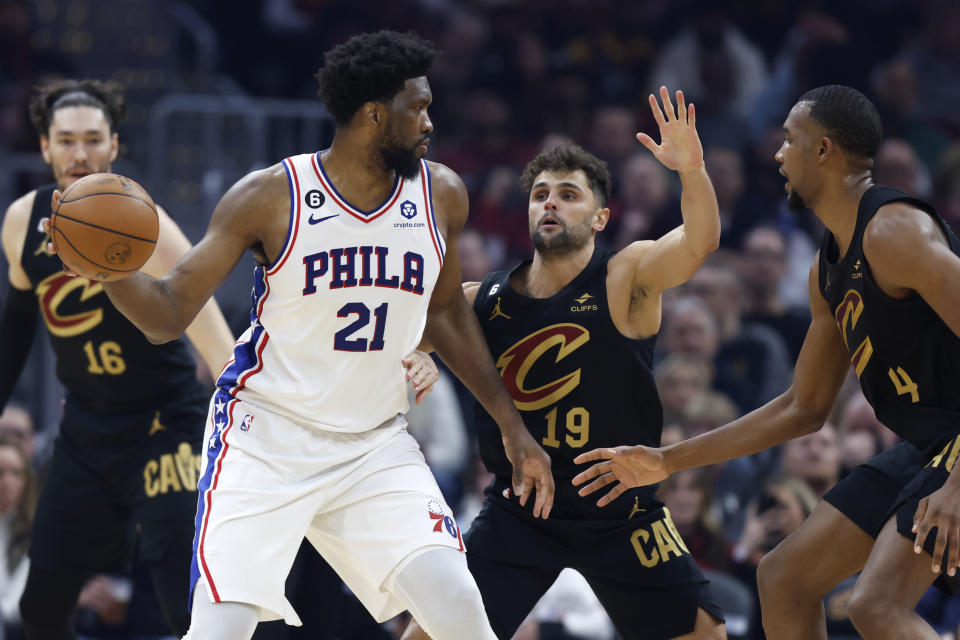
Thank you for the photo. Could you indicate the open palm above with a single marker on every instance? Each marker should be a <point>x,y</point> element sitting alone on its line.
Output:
<point>628,467</point>
<point>679,147</point>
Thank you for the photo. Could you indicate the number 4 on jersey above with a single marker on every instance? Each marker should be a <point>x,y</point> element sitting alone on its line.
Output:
<point>903,384</point>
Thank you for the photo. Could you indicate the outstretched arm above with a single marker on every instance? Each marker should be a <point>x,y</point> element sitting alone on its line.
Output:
<point>820,371</point>
<point>163,308</point>
<point>454,332</point>
<point>209,332</point>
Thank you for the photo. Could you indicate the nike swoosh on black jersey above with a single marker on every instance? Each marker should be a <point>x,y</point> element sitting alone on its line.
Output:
<point>313,220</point>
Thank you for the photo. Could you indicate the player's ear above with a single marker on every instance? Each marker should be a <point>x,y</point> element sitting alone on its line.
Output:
<point>823,150</point>
<point>45,148</point>
<point>373,112</point>
<point>601,218</point>
<point>114,147</point>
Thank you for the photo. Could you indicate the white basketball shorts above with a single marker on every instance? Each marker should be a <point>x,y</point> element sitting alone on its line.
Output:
<point>366,501</point>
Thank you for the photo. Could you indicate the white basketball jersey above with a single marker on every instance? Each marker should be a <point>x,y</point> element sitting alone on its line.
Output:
<point>343,303</point>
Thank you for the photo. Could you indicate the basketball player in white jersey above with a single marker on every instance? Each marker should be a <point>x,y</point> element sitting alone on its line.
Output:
<point>356,252</point>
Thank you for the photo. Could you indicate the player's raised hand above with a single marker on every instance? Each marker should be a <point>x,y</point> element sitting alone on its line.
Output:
<point>531,472</point>
<point>422,372</point>
<point>628,467</point>
<point>679,147</point>
<point>940,510</point>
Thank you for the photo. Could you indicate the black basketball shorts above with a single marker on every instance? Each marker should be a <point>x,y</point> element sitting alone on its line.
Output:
<point>892,485</point>
<point>103,492</point>
<point>639,568</point>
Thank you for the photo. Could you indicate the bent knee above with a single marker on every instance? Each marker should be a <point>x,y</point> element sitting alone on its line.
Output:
<point>781,573</point>
<point>773,570</point>
<point>868,609</point>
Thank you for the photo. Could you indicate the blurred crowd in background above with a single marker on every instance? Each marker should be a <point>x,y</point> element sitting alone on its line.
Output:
<point>513,78</point>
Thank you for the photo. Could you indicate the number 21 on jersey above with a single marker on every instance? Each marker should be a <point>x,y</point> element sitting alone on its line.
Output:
<point>342,340</point>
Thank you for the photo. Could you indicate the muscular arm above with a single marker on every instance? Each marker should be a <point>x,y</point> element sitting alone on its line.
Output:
<point>18,318</point>
<point>452,327</point>
<point>674,258</point>
<point>14,233</point>
<point>907,251</point>
<point>801,409</point>
<point>209,332</point>
<point>163,308</point>
<point>820,370</point>
<point>454,332</point>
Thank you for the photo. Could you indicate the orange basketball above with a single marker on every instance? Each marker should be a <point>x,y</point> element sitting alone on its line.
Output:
<point>105,227</point>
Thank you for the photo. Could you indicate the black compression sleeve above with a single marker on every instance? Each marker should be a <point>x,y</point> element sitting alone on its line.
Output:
<point>18,325</point>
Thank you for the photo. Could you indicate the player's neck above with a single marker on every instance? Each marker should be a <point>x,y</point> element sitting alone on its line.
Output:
<point>356,173</point>
<point>547,275</point>
<point>837,207</point>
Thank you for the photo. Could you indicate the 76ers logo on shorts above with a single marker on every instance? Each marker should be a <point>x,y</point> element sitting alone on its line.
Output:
<point>443,521</point>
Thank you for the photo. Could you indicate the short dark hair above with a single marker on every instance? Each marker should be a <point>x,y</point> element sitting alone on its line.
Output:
<point>371,67</point>
<point>104,95</point>
<point>848,117</point>
<point>567,158</point>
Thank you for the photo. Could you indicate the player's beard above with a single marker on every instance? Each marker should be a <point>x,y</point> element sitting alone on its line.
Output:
<point>397,157</point>
<point>564,242</point>
<point>65,178</point>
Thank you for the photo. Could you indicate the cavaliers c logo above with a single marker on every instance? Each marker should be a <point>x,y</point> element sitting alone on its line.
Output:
<point>515,363</point>
<point>847,314</point>
<point>53,290</point>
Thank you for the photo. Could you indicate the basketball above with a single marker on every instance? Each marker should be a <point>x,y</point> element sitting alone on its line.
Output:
<point>105,226</point>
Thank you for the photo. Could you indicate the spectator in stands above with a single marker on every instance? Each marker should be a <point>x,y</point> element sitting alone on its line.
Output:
<point>935,59</point>
<point>781,506</point>
<point>612,131</point>
<point>18,500</point>
<point>681,381</point>
<point>708,411</point>
<point>689,495</point>
<point>475,259</point>
<point>751,363</point>
<point>762,267</point>
<point>17,425</point>
<point>738,211</point>
<point>646,207</point>
<point>814,458</point>
<point>496,205</point>
<point>898,166</point>
<point>946,185</point>
<point>712,57</point>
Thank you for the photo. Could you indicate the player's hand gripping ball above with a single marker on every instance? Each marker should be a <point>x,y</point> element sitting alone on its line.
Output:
<point>104,226</point>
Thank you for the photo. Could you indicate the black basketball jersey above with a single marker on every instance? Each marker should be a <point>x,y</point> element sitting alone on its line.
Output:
<point>576,380</point>
<point>103,360</point>
<point>907,358</point>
